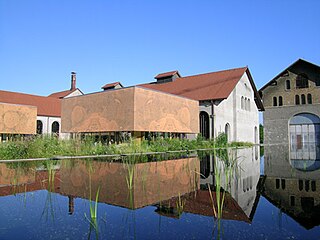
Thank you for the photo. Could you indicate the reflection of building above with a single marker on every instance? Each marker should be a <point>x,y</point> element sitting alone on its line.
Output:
<point>291,100</point>
<point>228,101</point>
<point>121,184</point>
<point>290,187</point>
<point>245,176</point>
<point>48,112</point>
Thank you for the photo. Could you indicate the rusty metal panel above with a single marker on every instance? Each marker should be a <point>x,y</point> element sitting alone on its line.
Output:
<point>98,112</point>
<point>17,119</point>
<point>130,109</point>
<point>161,112</point>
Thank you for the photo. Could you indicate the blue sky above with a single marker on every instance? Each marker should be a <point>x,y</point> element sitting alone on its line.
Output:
<point>41,42</point>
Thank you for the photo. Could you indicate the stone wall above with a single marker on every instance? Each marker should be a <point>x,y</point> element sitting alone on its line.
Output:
<point>276,121</point>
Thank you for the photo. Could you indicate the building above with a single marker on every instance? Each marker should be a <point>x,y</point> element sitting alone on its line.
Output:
<point>292,115</point>
<point>73,91</point>
<point>228,101</point>
<point>133,110</point>
<point>17,120</point>
<point>47,109</point>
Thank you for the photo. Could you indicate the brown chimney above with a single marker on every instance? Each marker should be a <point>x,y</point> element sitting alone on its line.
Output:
<point>73,80</point>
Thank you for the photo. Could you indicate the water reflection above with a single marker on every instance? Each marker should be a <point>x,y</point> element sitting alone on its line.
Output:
<point>292,184</point>
<point>122,184</point>
<point>239,187</point>
<point>131,190</point>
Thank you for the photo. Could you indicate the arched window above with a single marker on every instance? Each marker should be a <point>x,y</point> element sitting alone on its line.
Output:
<point>245,104</point>
<point>249,107</point>
<point>288,84</point>
<point>280,101</point>
<point>297,100</point>
<point>275,101</point>
<point>55,128</point>
<point>205,166</point>
<point>302,81</point>
<point>204,124</point>
<point>39,127</point>
<point>256,135</point>
<point>303,99</point>
<point>304,135</point>
<point>242,103</point>
<point>309,98</point>
<point>227,131</point>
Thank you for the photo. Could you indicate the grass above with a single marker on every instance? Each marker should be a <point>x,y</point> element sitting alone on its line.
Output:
<point>48,147</point>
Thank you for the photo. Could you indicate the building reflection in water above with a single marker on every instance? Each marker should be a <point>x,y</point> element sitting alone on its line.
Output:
<point>292,181</point>
<point>242,187</point>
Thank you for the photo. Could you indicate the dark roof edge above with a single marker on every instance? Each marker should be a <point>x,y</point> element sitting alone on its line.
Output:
<point>282,72</point>
<point>71,91</point>
<point>257,97</point>
<point>113,84</point>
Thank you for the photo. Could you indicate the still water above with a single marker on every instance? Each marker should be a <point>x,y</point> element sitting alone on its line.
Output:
<point>228,194</point>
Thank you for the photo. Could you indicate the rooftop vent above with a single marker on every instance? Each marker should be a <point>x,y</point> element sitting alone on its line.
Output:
<point>167,76</point>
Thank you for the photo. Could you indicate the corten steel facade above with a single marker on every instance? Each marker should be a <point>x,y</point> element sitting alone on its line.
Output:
<point>129,109</point>
<point>17,119</point>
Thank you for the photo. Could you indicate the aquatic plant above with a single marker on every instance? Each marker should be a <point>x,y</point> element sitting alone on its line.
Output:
<point>48,147</point>
<point>180,205</point>
<point>48,209</point>
<point>92,219</point>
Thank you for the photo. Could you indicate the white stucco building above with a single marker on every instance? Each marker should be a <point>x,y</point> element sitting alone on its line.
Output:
<point>48,108</point>
<point>228,101</point>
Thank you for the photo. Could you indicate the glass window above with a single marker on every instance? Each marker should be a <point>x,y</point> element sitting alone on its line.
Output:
<point>277,183</point>
<point>280,101</point>
<point>55,127</point>
<point>292,200</point>
<point>302,81</point>
<point>288,84</point>
<point>297,100</point>
<point>309,98</point>
<point>275,101</point>
<point>39,127</point>
<point>303,99</point>
<point>242,103</point>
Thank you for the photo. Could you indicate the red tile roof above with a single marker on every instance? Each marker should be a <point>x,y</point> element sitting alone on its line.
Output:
<point>208,86</point>
<point>111,85</point>
<point>46,106</point>
<point>62,94</point>
<point>167,74</point>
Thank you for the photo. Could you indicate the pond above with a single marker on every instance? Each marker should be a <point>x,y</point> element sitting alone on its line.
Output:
<point>226,194</point>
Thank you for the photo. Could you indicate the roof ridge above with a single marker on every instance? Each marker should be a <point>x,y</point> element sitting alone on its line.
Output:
<point>23,93</point>
<point>226,70</point>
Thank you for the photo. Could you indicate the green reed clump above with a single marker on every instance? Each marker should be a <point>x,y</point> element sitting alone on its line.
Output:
<point>13,150</point>
<point>47,146</point>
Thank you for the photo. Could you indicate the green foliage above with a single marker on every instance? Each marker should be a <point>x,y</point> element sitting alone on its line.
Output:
<point>261,132</point>
<point>48,147</point>
<point>222,140</point>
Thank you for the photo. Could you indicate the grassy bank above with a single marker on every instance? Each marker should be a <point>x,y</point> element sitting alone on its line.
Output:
<point>47,147</point>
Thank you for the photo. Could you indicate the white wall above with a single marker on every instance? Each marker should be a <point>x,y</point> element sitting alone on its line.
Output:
<point>246,120</point>
<point>77,92</point>
<point>47,125</point>
<point>242,122</point>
